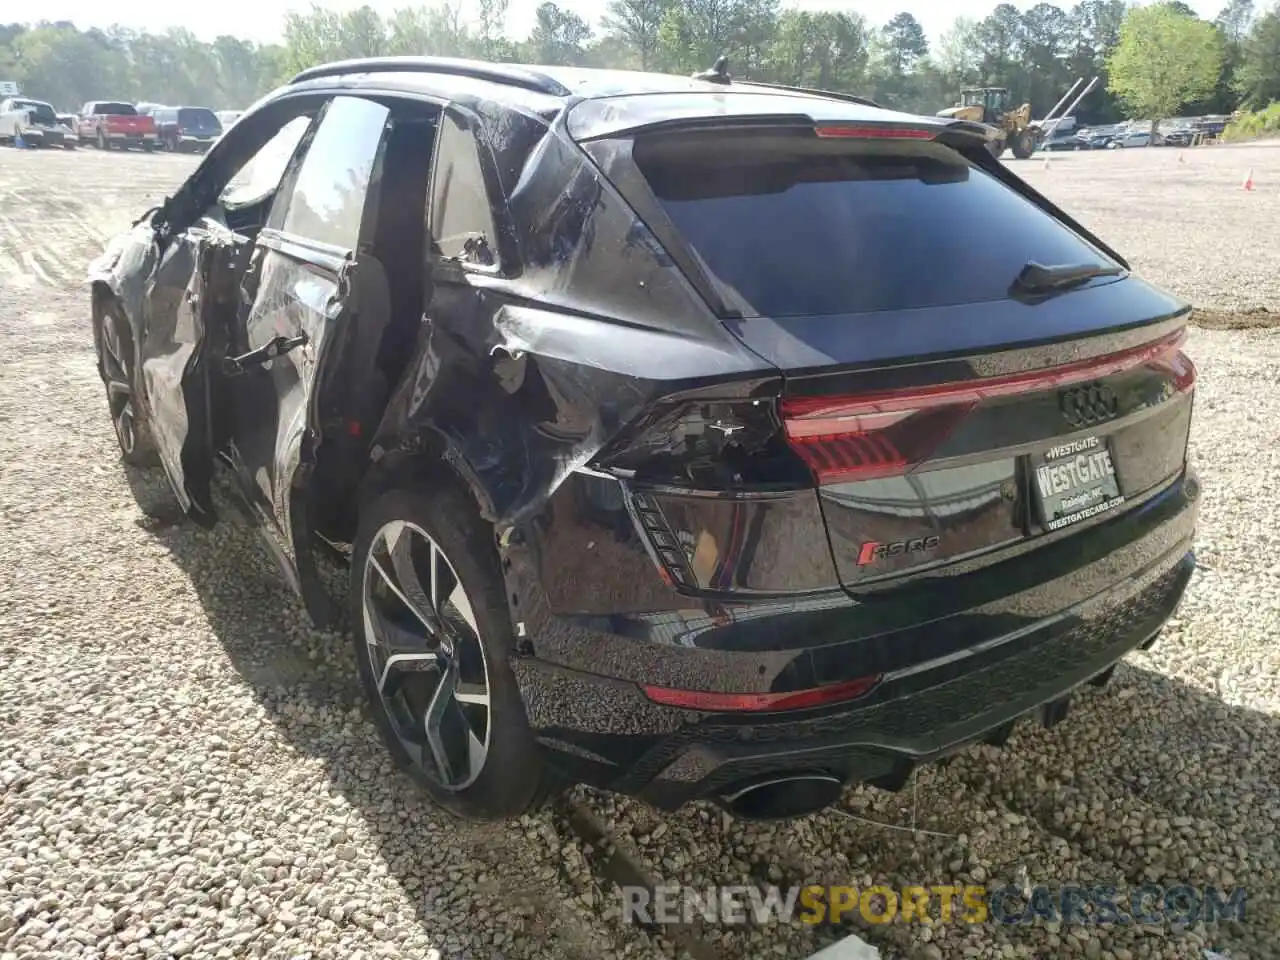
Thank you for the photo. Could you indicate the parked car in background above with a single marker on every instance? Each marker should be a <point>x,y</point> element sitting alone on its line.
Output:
<point>1210,127</point>
<point>228,117</point>
<point>1065,141</point>
<point>1181,137</point>
<point>35,121</point>
<point>1097,138</point>
<point>1135,138</point>
<point>186,128</point>
<point>669,468</point>
<point>114,124</point>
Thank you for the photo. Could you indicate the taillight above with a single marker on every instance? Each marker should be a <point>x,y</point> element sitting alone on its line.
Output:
<point>707,445</point>
<point>863,437</point>
<point>1183,371</point>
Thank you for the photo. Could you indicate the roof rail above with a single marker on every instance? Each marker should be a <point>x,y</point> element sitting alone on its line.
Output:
<point>813,91</point>
<point>510,75</point>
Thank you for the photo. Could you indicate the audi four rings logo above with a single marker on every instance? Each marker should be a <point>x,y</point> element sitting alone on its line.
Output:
<point>1088,404</point>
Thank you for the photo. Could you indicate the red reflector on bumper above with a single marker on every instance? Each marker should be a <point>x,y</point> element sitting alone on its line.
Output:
<point>731,702</point>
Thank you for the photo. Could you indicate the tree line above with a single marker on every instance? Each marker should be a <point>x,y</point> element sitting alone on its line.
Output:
<point>1154,60</point>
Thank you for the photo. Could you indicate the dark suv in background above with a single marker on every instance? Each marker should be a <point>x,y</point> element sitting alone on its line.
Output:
<point>686,437</point>
<point>186,128</point>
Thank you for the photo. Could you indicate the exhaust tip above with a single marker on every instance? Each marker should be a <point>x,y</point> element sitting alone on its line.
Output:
<point>783,798</point>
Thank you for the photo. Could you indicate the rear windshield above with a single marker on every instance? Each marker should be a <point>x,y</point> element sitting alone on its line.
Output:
<point>42,112</point>
<point>197,117</point>
<point>115,109</point>
<point>795,226</point>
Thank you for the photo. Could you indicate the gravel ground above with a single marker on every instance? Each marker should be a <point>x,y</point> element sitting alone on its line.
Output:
<point>185,769</point>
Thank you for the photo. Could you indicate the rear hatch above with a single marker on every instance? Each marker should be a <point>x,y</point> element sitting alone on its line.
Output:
<point>966,374</point>
<point>122,118</point>
<point>198,122</point>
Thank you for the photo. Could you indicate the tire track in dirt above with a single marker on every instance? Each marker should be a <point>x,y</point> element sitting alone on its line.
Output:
<point>48,235</point>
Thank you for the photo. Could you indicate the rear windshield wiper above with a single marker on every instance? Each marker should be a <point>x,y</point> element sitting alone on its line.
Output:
<point>1037,278</point>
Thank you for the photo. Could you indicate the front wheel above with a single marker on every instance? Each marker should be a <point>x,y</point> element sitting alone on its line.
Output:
<point>115,365</point>
<point>433,641</point>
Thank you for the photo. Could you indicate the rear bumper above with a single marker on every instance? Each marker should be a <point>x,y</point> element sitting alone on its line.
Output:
<point>131,139</point>
<point>48,138</point>
<point>604,731</point>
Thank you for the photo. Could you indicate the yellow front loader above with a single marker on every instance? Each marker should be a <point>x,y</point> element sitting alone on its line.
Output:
<point>1017,131</point>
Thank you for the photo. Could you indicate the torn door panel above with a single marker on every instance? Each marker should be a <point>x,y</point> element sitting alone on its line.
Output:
<point>185,333</point>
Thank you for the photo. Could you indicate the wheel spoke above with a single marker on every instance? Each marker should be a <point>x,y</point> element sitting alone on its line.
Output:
<point>420,610</point>
<point>404,551</point>
<point>473,693</point>
<point>399,664</point>
<point>110,342</point>
<point>476,752</point>
<point>460,602</point>
<point>435,722</point>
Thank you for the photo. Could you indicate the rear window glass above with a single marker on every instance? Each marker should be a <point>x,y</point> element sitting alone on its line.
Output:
<point>42,112</point>
<point>115,110</point>
<point>196,117</point>
<point>793,226</point>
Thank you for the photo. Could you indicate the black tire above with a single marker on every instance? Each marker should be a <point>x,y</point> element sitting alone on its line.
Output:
<point>148,147</point>
<point>512,779</point>
<point>113,341</point>
<point>1023,144</point>
<point>101,141</point>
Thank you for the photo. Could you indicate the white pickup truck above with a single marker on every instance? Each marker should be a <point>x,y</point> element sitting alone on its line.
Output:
<point>35,122</point>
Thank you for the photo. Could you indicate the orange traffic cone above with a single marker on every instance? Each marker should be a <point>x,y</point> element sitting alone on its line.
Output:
<point>1248,181</point>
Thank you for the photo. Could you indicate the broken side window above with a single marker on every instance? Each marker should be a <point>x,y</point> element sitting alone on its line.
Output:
<point>261,176</point>
<point>462,218</point>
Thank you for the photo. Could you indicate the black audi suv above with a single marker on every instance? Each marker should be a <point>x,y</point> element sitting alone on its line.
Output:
<point>687,437</point>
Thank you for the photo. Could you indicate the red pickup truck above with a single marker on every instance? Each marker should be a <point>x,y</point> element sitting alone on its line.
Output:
<point>112,123</point>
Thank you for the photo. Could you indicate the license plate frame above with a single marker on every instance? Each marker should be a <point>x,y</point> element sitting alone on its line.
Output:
<point>1074,481</point>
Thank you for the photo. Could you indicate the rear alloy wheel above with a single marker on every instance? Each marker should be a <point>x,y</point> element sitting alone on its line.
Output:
<point>115,366</point>
<point>433,645</point>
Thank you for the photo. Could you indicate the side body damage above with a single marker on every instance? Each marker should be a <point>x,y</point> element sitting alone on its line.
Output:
<point>759,510</point>
<point>522,363</point>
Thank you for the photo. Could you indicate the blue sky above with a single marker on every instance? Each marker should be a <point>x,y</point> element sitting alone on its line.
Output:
<point>262,20</point>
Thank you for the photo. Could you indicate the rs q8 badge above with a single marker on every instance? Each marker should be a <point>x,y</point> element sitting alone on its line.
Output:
<point>874,552</point>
